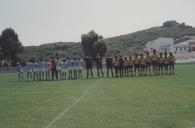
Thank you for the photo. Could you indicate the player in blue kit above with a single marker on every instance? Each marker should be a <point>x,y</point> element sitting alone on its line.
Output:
<point>80,68</point>
<point>31,71</point>
<point>70,66</point>
<point>20,72</point>
<point>76,67</point>
<point>74,63</point>
<point>28,71</point>
<point>64,68</point>
<point>58,68</point>
<point>42,70</point>
<point>35,71</point>
<point>47,70</point>
<point>40,67</point>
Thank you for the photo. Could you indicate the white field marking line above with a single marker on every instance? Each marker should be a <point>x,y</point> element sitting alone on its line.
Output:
<point>61,114</point>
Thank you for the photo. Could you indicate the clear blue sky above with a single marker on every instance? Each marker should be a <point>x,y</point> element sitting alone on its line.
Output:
<point>44,21</point>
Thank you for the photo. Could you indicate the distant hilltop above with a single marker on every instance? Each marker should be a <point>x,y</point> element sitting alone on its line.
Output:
<point>175,24</point>
<point>123,44</point>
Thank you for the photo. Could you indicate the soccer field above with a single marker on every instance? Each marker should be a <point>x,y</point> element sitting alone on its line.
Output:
<point>139,102</point>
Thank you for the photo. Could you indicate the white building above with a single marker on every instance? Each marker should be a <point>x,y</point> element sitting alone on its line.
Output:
<point>185,47</point>
<point>192,45</point>
<point>161,45</point>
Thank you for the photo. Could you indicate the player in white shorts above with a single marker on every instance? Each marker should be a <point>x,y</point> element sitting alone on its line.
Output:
<point>58,68</point>
<point>74,63</point>
<point>28,70</point>
<point>80,67</point>
<point>47,70</point>
<point>35,71</point>
<point>40,68</point>
<point>64,69</point>
<point>69,64</point>
<point>20,71</point>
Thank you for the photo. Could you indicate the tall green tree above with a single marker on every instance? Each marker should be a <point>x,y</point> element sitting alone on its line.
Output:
<point>93,44</point>
<point>101,47</point>
<point>10,44</point>
<point>1,53</point>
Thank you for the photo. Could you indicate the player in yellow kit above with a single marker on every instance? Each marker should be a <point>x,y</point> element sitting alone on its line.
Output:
<point>142,65</point>
<point>161,64</point>
<point>155,62</point>
<point>130,66</point>
<point>148,62</point>
<point>136,64</point>
<point>171,59</point>
<point>121,66</point>
<point>116,65</point>
<point>125,63</point>
<point>166,62</point>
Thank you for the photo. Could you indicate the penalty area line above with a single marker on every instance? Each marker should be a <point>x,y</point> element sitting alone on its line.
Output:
<point>66,110</point>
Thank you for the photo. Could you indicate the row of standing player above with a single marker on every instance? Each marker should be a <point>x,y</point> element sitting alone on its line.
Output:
<point>129,66</point>
<point>50,70</point>
<point>72,68</point>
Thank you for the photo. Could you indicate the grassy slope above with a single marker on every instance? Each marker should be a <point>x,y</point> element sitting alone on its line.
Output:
<point>124,44</point>
<point>50,50</point>
<point>143,102</point>
<point>134,42</point>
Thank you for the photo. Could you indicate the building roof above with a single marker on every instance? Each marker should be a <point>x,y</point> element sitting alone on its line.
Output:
<point>161,41</point>
<point>164,38</point>
<point>165,46</point>
<point>192,40</point>
<point>193,37</point>
<point>185,42</point>
<point>182,39</point>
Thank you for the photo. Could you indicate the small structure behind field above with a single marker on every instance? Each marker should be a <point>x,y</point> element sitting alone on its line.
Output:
<point>187,46</point>
<point>161,45</point>
<point>183,49</point>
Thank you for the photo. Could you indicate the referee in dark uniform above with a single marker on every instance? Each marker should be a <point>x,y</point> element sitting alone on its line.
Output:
<point>89,65</point>
<point>121,66</point>
<point>99,66</point>
<point>109,65</point>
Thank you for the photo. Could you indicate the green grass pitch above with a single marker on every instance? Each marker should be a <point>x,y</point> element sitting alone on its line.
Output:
<point>139,102</point>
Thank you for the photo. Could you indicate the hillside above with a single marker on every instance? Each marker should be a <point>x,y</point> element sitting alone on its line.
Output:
<point>124,44</point>
<point>52,49</point>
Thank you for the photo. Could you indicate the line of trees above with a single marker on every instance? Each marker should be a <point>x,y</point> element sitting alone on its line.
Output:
<point>93,44</point>
<point>10,46</point>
